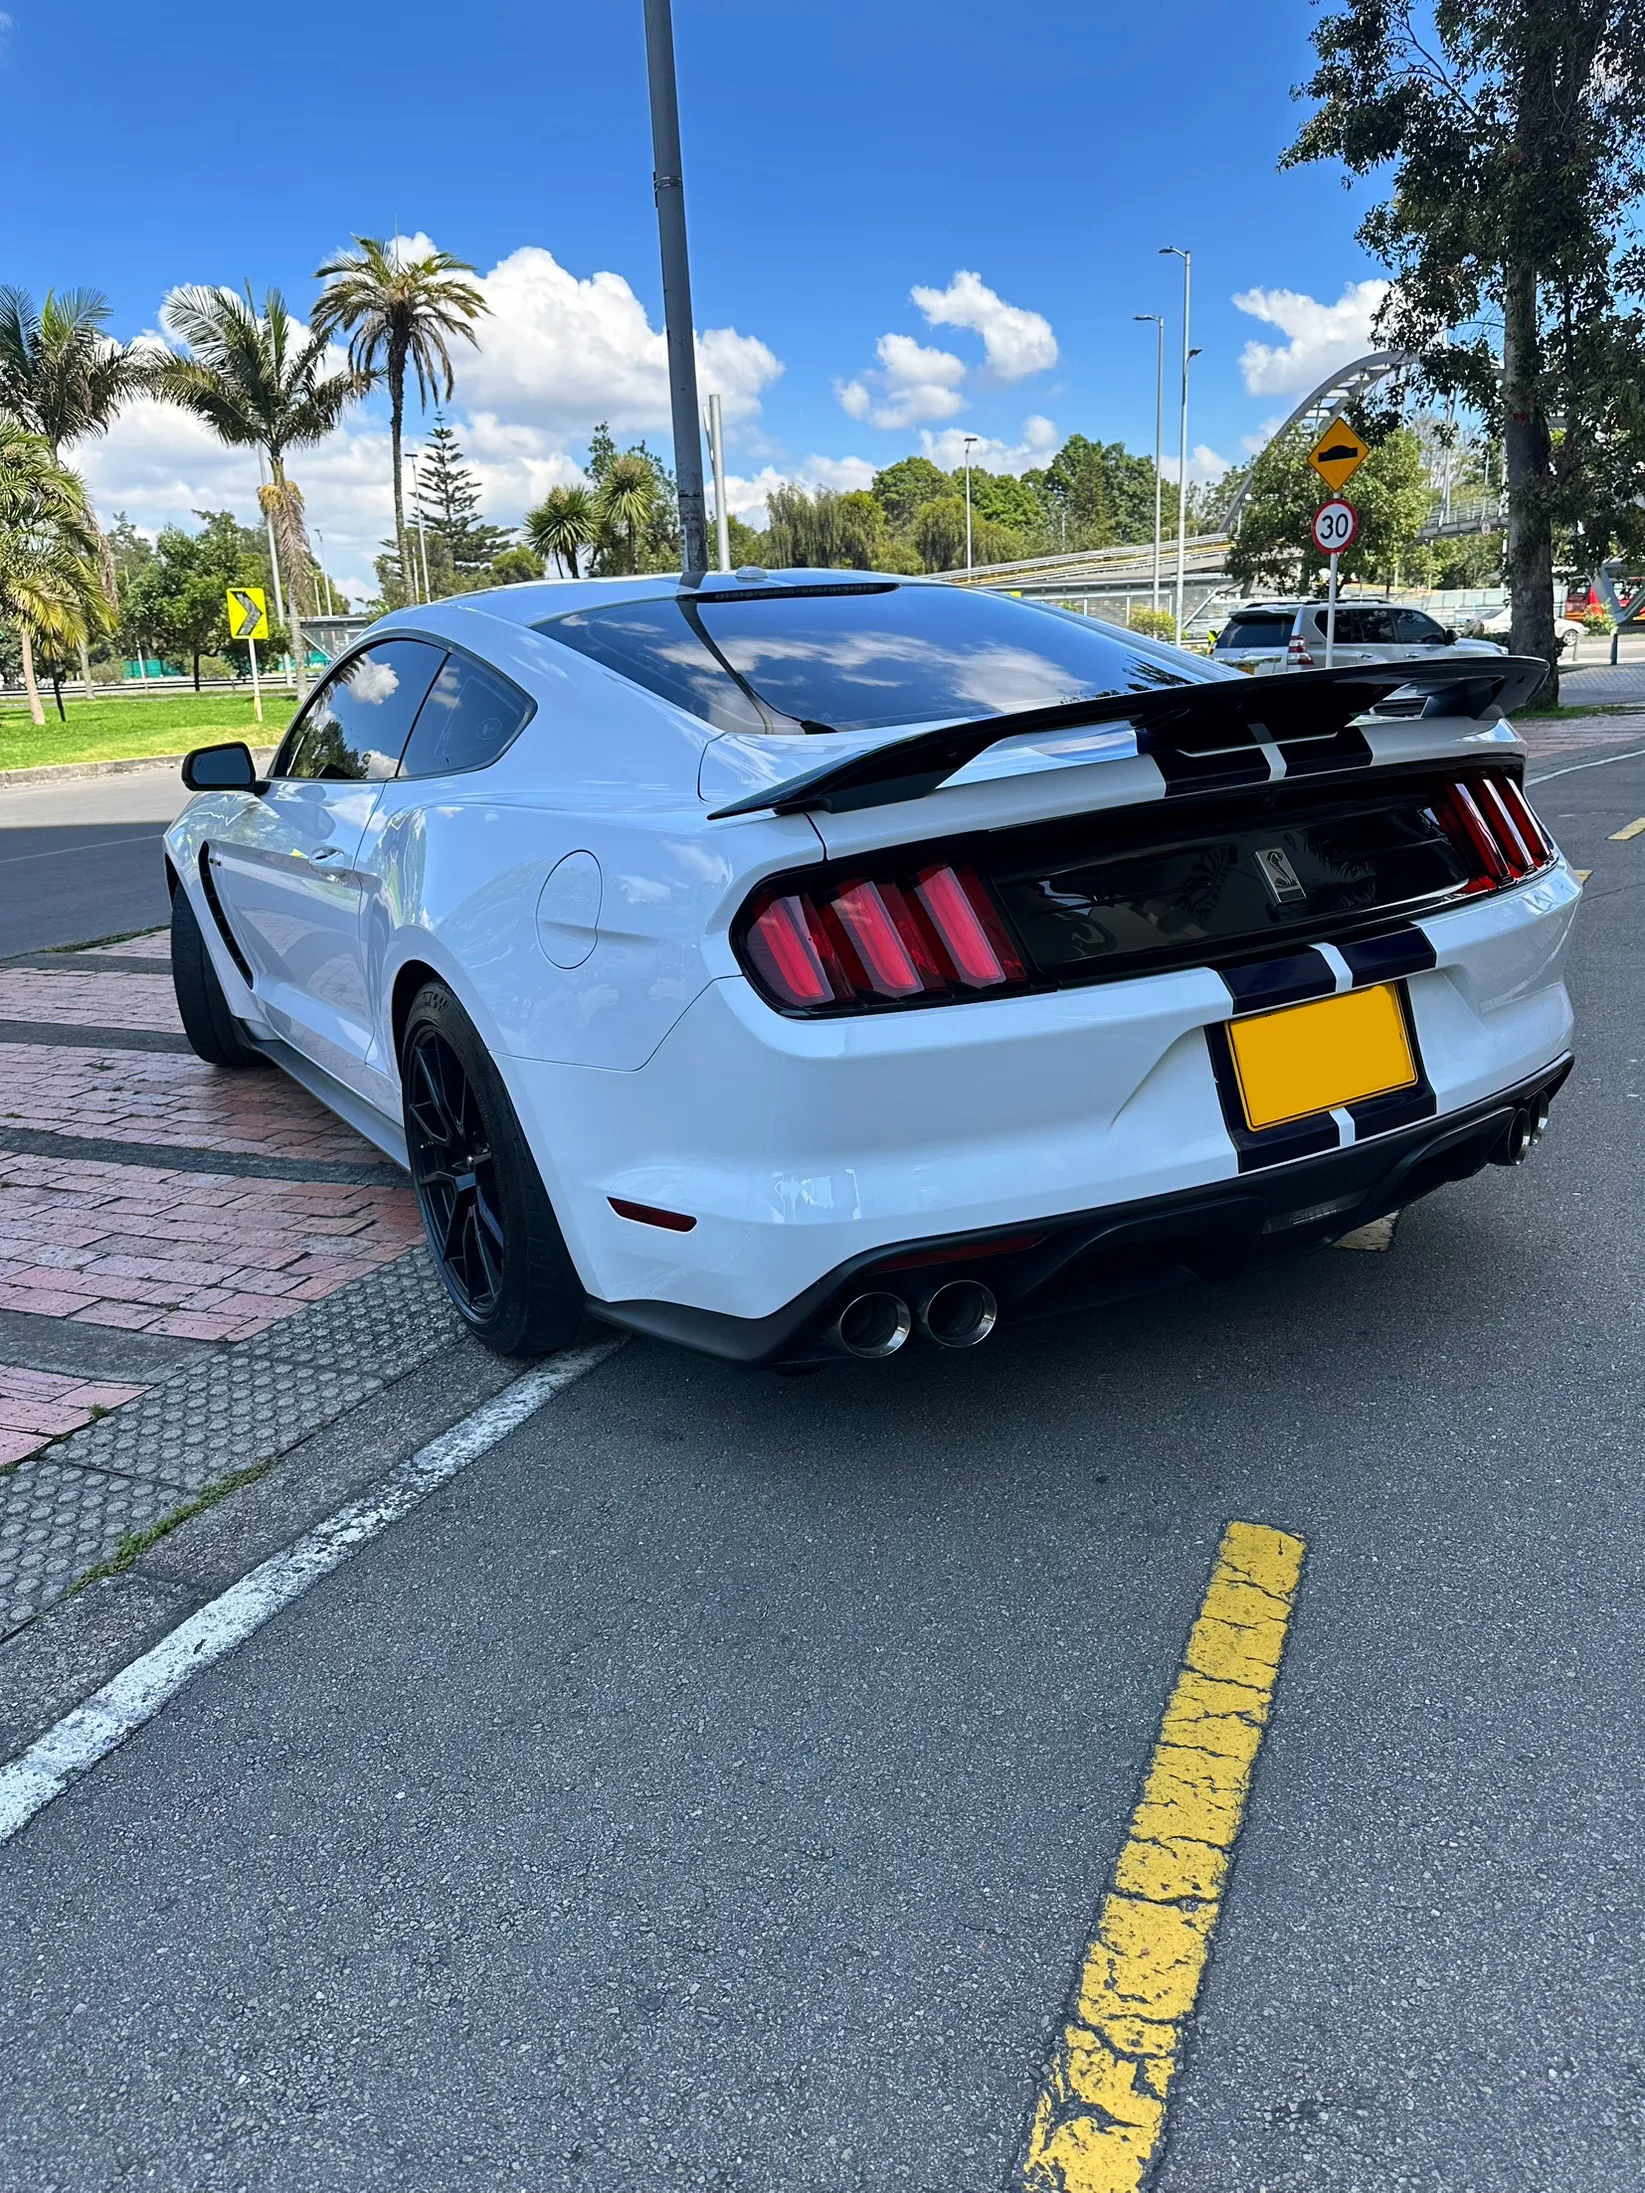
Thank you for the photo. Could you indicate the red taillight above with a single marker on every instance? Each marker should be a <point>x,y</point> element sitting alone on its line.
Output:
<point>1489,822</point>
<point>935,934</point>
<point>971,931</point>
<point>783,951</point>
<point>1297,651</point>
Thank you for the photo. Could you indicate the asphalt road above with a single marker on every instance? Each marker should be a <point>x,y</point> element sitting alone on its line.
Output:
<point>714,1786</point>
<point>81,859</point>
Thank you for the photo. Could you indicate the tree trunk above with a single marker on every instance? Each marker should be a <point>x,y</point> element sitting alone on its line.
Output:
<point>396,424</point>
<point>37,715</point>
<point>85,666</point>
<point>1527,466</point>
<point>197,670</point>
<point>57,695</point>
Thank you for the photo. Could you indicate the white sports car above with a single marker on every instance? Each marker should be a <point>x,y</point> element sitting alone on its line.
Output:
<point>785,963</point>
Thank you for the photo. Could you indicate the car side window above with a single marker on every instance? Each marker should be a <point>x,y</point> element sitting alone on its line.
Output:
<point>355,728</point>
<point>470,716</point>
<point>1417,630</point>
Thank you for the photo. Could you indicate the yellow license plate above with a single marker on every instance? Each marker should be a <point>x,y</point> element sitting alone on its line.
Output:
<point>1308,1058</point>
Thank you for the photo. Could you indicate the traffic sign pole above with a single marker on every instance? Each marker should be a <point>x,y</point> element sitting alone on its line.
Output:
<point>1331,620</point>
<point>256,689</point>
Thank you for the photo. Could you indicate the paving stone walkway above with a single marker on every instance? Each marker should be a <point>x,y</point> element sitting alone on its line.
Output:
<point>259,1264</point>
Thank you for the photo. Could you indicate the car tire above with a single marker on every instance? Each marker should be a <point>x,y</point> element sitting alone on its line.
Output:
<point>212,1030</point>
<point>491,1228</point>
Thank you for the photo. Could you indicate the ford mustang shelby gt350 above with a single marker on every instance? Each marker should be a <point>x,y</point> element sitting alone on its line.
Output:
<point>785,963</point>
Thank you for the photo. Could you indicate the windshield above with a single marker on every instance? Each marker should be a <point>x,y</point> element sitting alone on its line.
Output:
<point>1266,628</point>
<point>857,658</point>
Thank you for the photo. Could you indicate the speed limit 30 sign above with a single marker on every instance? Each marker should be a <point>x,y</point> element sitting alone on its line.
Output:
<point>1336,526</point>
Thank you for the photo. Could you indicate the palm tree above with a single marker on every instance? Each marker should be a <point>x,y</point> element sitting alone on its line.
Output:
<point>50,587</point>
<point>627,499</point>
<point>258,380</point>
<point>63,377</point>
<point>564,523</point>
<point>398,312</point>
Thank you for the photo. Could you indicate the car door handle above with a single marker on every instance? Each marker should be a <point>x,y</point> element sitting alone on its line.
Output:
<point>326,852</point>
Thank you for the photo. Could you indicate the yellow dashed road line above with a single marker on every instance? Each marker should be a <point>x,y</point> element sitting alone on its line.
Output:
<point>1628,830</point>
<point>1099,2122</point>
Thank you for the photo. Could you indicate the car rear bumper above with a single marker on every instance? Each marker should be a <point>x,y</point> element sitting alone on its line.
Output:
<point>1090,1257</point>
<point>800,1151</point>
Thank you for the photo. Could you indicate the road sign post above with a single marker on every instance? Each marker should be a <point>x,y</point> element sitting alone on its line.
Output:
<point>1336,528</point>
<point>248,621</point>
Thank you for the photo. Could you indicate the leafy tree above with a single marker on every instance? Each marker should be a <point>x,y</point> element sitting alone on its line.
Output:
<point>175,603</point>
<point>902,487</point>
<point>1004,501</point>
<point>627,502</point>
<point>1274,545</point>
<point>399,312</point>
<point>64,377</point>
<point>258,380</point>
<point>514,566</point>
<point>1515,132</point>
<point>746,546</point>
<point>938,532</point>
<point>50,588</point>
<point>448,502</point>
<point>1076,483</point>
<point>824,531</point>
<point>563,524</point>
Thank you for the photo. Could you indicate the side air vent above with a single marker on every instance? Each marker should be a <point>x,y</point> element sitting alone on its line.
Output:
<point>209,886</point>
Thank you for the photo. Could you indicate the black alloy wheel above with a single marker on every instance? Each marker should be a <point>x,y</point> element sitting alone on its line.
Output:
<point>490,1225</point>
<point>454,1173</point>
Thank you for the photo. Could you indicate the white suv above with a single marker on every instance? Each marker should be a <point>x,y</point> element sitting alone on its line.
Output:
<point>1267,636</point>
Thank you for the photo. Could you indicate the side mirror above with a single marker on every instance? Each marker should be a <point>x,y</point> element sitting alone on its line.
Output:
<point>1450,635</point>
<point>227,768</point>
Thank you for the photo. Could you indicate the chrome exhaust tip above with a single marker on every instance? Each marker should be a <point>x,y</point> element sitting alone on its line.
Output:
<point>960,1314</point>
<point>872,1326</point>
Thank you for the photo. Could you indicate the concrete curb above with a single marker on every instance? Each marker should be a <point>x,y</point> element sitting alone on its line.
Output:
<point>67,772</point>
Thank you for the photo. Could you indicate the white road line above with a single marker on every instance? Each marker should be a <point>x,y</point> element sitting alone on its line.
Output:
<point>1636,753</point>
<point>77,1742</point>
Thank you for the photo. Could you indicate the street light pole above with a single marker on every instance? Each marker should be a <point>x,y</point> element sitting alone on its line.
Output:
<point>1158,319</point>
<point>669,190</point>
<point>1175,251</point>
<point>969,440</point>
<point>716,453</point>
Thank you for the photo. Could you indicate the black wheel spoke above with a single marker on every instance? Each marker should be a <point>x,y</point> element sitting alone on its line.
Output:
<point>449,1146</point>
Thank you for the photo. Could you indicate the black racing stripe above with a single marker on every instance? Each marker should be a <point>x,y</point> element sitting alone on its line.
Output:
<point>1261,984</point>
<point>1221,772</point>
<point>1397,952</point>
<point>1399,1108</point>
<point>1346,749</point>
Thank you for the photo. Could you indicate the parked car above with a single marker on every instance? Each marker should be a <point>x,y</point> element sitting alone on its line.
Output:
<point>1267,636</point>
<point>786,964</point>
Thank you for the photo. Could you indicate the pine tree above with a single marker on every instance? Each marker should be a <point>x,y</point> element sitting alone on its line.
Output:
<point>448,500</point>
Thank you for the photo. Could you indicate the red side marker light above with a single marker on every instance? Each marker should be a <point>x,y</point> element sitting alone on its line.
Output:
<point>647,1214</point>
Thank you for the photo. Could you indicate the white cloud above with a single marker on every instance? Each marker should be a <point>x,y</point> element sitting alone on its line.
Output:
<point>559,351</point>
<point>1322,337</point>
<point>915,382</point>
<point>1037,447</point>
<point>1015,342</point>
<point>1252,443</point>
<point>1203,465</point>
<point>747,498</point>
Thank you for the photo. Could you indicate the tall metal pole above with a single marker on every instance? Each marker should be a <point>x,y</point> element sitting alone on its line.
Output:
<point>716,451</point>
<point>1175,251</point>
<point>669,188</point>
<point>1158,319</point>
<point>969,439</point>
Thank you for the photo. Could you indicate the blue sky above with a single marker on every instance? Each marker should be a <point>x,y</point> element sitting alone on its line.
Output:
<point>1019,167</point>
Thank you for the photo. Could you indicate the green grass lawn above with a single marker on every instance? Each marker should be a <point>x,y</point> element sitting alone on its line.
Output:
<point>124,730</point>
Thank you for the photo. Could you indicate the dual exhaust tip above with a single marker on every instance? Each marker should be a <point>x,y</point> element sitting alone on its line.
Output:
<point>1526,1130</point>
<point>959,1314</point>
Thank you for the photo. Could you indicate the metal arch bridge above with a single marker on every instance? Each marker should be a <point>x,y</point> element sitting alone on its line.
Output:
<point>1317,410</point>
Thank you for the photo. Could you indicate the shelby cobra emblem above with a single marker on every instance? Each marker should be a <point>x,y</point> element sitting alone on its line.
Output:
<point>1279,875</point>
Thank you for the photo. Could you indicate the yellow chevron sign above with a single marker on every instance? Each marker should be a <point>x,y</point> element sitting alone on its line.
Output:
<point>247,613</point>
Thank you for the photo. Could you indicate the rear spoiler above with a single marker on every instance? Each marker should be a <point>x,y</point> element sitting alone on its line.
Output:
<point>1215,716</point>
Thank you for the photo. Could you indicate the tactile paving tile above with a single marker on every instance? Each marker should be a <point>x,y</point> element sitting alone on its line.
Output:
<point>249,1402</point>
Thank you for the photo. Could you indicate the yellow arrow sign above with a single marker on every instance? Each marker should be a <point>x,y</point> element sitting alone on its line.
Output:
<point>1339,453</point>
<point>247,613</point>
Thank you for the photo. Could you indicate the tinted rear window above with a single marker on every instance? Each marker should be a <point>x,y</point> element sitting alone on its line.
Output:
<point>1267,628</point>
<point>857,658</point>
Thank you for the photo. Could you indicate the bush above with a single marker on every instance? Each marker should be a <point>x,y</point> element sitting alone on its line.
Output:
<point>1153,624</point>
